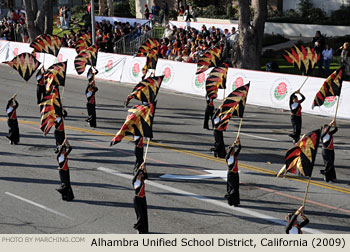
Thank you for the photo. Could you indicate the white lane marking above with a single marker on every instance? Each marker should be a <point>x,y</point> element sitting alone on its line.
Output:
<point>254,136</point>
<point>207,200</point>
<point>38,205</point>
<point>212,174</point>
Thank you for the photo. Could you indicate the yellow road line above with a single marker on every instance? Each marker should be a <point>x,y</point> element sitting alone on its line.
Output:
<point>205,156</point>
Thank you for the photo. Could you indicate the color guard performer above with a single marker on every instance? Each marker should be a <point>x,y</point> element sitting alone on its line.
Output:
<point>328,151</point>
<point>62,158</point>
<point>140,203</point>
<point>91,104</point>
<point>293,227</point>
<point>219,145</point>
<point>209,112</point>
<point>232,195</point>
<point>12,122</point>
<point>138,152</point>
<point>59,133</point>
<point>295,108</point>
<point>41,89</point>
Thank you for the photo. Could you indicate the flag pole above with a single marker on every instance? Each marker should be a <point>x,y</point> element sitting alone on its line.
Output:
<point>336,110</point>
<point>20,89</point>
<point>144,158</point>
<point>306,191</point>
<point>303,82</point>
<point>239,128</point>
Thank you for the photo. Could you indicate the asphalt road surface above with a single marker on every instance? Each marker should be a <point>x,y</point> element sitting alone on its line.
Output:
<point>185,192</point>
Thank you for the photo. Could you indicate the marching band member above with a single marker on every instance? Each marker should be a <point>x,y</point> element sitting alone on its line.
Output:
<point>295,108</point>
<point>12,122</point>
<point>140,203</point>
<point>293,227</point>
<point>62,158</point>
<point>328,151</point>
<point>232,195</point>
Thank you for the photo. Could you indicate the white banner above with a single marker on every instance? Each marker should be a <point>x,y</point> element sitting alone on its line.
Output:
<point>4,49</point>
<point>132,72</point>
<point>267,89</point>
<point>123,20</point>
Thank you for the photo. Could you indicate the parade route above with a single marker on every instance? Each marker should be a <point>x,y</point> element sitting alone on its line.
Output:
<point>180,147</point>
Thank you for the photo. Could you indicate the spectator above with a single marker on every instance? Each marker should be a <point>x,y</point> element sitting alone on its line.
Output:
<point>181,10</point>
<point>319,38</point>
<point>318,50</point>
<point>345,59</point>
<point>233,37</point>
<point>327,54</point>
<point>168,32</point>
<point>155,13</point>
<point>187,14</point>
<point>146,12</point>
<point>179,56</point>
<point>166,12</point>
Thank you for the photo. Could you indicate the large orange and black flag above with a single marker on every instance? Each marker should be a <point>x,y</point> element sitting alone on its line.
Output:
<point>216,80</point>
<point>138,123</point>
<point>147,47</point>
<point>233,105</point>
<point>302,156</point>
<point>305,59</point>
<point>46,43</point>
<point>146,90</point>
<point>82,43</point>
<point>25,64</point>
<point>55,75</point>
<point>50,108</point>
<point>331,87</point>
<point>87,56</point>
<point>211,58</point>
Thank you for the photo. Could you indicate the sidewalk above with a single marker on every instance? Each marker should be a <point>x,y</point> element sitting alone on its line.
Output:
<point>288,44</point>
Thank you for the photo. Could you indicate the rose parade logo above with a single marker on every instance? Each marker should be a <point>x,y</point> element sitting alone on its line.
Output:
<point>168,74</point>
<point>199,80</point>
<point>136,70</point>
<point>109,66</point>
<point>330,101</point>
<point>280,91</point>
<point>238,80</point>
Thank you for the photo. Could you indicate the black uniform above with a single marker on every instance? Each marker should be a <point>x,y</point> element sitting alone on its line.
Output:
<point>328,153</point>
<point>296,229</point>
<point>295,108</point>
<point>138,152</point>
<point>12,122</point>
<point>219,149</point>
<point>66,189</point>
<point>59,131</point>
<point>140,203</point>
<point>232,194</point>
<point>41,89</point>
<point>209,112</point>
<point>91,104</point>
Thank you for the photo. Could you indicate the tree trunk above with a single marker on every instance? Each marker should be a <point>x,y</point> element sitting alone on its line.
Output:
<point>247,52</point>
<point>102,7</point>
<point>110,8</point>
<point>38,20</point>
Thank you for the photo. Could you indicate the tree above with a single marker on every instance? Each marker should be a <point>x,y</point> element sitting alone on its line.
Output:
<point>110,8</point>
<point>102,8</point>
<point>251,34</point>
<point>38,21</point>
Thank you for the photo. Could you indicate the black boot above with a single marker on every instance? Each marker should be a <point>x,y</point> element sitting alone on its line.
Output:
<point>220,150</point>
<point>208,114</point>
<point>66,189</point>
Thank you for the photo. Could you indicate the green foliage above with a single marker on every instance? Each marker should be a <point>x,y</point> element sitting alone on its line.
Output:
<point>341,16</point>
<point>172,15</point>
<point>122,9</point>
<point>230,12</point>
<point>304,8</point>
<point>273,39</point>
<point>316,15</point>
<point>132,7</point>
<point>77,12</point>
